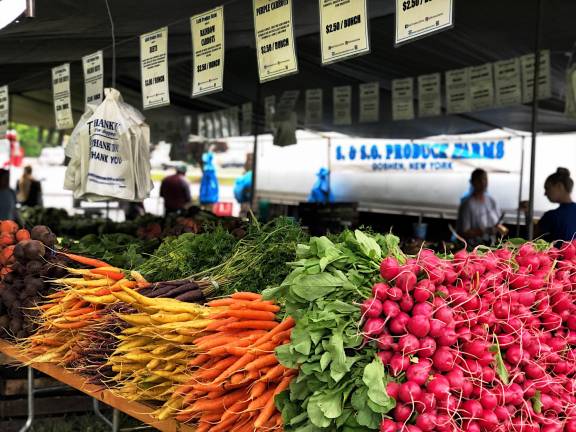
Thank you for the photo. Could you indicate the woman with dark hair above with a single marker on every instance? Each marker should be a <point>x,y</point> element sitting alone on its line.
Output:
<point>479,214</point>
<point>7,197</point>
<point>559,224</point>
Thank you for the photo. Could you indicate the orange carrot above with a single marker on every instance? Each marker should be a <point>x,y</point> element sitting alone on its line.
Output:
<point>199,360</point>
<point>246,296</point>
<point>216,341</point>
<point>239,364</point>
<point>71,325</point>
<point>216,369</point>
<point>215,325</point>
<point>274,373</point>
<point>108,273</point>
<point>282,336</point>
<point>220,302</point>
<point>270,407</point>
<point>77,312</point>
<point>217,404</point>
<point>257,390</point>
<point>91,262</point>
<point>216,394</point>
<point>287,324</point>
<point>259,403</point>
<point>262,362</point>
<point>261,306</point>
<point>256,325</point>
<point>247,314</point>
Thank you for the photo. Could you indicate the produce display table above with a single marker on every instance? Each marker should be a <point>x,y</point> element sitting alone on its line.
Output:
<point>133,409</point>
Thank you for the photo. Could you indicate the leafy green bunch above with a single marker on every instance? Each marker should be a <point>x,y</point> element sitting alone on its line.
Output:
<point>341,384</point>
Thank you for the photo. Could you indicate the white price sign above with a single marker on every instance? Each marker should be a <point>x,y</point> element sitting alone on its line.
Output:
<point>275,47</point>
<point>369,102</point>
<point>4,110</point>
<point>154,68</point>
<point>429,98</point>
<point>418,18</point>
<point>314,107</point>
<point>481,87</point>
<point>207,52</point>
<point>343,29</point>
<point>93,66</point>
<point>403,99</point>
<point>342,105</point>
<point>545,82</point>
<point>458,91</point>
<point>62,100</point>
<point>508,83</point>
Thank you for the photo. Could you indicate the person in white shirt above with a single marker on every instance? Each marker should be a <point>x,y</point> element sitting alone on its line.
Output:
<point>479,214</point>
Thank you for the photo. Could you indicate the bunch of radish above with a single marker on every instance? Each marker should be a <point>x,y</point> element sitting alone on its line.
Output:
<point>483,342</point>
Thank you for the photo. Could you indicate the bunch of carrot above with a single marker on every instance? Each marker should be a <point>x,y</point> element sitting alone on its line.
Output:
<point>75,308</point>
<point>152,356</point>
<point>235,376</point>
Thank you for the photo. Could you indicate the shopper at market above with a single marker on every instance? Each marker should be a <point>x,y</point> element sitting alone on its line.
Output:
<point>479,214</point>
<point>28,189</point>
<point>558,224</point>
<point>7,197</point>
<point>175,190</point>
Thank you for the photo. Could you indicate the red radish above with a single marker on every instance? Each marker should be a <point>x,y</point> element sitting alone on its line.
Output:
<point>472,409</point>
<point>371,308</point>
<point>385,357</point>
<point>406,281</point>
<point>425,309</point>
<point>421,293</point>
<point>392,388</point>
<point>427,347</point>
<point>419,326</point>
<point>426,422</point>
<point>428,404</point>
<point>398,364</point>
<point>439,386</point>
<point>390,309</point>
<point>388,425</point>
<point>402,412</point>
<point>443,359</point>
<point>406,303</point>
<point>385,341</point>
<point>437,328</point>
<point>449,337</point>
<point>397,326</point>
<point>394,293</point>
<point>380,291</point>
<point>445,315</point>
<point>502,413</point>
<point>488,400</point>
<point>374,327</point>
<point>389,268</point>
<point>408,344</point>
<point>410,392</point>
<point>419,372</point>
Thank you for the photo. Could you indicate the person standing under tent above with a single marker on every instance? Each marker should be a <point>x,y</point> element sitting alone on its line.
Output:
<point>479,214</point>
<point>560,223</point>
<point>29,190</point>
<point>8,209</point>
<point>175,190</point>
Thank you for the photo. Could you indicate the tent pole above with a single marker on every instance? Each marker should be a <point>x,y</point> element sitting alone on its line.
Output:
<point>536,88</point>
<point>256,131</point>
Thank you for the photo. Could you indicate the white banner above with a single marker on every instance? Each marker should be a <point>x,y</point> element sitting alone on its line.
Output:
<point>450,155</point>
<point>481,87</point>
<point>343,29</point>
<point>275,47</point>
<point>419,18</point>
<point>314,107</point>
<point>154,68</point>
<point>545,81</point>
<point>429,97</point>
<point>403,99</point>
<point>342,102</point>
<point>4,110</point>
<point>458,91</point>
<point>369,102</point>
<point>508,87</point>
<point>207,52</point>
<point>93,66</point>
<point>62,100</point>
<point>247,113</point>
<point>269,112</point>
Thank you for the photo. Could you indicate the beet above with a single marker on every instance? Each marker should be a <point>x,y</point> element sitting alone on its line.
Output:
<point>34,250</point>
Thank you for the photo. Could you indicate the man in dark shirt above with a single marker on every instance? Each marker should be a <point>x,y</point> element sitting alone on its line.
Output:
<point>176,191</point>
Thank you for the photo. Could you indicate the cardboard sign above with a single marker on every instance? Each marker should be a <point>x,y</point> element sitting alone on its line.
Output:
<point>458,91</point>
<point>419,18</point>
<point>207,52</point>
<point>481,87</point>
<point>508,87</point>
<point>275,47</point>
<point>247,113</point>
<point>314,107</point>
<point>62,100</point>
<point>429,97</point>
<point>4,111</point>
<point>154,68</point>
<point>403,99</point>
<point>342,105</point>
<point>369,102</point>
<point>343,29</point>
<point>93,66</point>
<point>545,82</point>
